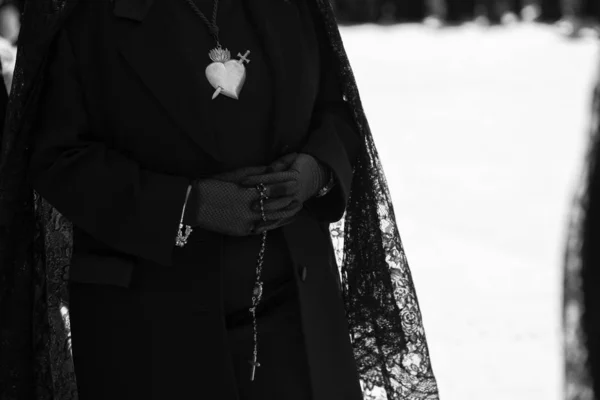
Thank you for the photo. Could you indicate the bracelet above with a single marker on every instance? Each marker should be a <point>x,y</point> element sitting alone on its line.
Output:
<point>182,238</point>
<point>327,188</point>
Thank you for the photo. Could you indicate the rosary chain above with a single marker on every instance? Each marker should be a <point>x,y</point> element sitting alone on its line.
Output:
<point>258,286</point>
<point>212,26</point>
<point>257,291</point>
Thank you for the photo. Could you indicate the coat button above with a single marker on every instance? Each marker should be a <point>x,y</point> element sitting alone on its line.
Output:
<point>303,273</point>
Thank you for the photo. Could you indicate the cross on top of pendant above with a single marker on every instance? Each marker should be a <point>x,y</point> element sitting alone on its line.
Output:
<point>244,58</point>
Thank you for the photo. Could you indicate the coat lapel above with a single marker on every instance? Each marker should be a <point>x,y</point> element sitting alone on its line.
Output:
<point>165,48</point>
<point>175,73</point>
<point>292,56</point>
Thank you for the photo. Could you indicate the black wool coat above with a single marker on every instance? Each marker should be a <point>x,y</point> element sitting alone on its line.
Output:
<point>116,146</point>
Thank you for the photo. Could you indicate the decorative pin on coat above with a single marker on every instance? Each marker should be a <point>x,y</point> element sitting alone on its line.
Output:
<point>227,76</point>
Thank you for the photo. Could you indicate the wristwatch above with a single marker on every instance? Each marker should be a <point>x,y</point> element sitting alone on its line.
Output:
<point>328,186</point>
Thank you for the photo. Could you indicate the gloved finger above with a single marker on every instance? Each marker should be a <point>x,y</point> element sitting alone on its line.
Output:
<point>239,174</point>
<point>270,178</point>
<point>275,205</point>
<point>284,189</point>
<point>283,213</point>
<point>278,218</point>
<point>270,225</point>
<point>286,212</point>
<point>283,163</point>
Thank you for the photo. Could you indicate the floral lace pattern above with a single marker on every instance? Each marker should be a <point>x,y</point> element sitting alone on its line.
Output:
<point>381,302</point>
<point>29,332</point>
<point>36,245</point>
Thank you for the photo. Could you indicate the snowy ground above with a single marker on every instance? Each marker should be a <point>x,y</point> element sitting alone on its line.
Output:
<point>481,134</point>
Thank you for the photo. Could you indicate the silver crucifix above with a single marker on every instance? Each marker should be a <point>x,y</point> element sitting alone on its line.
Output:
<point>254,364</point>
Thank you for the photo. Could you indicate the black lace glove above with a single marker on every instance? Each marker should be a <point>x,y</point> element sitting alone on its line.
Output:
<point>295,178</point>
<point>220,204</point>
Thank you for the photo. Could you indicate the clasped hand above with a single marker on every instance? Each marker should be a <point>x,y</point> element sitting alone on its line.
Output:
<point>230,203</point>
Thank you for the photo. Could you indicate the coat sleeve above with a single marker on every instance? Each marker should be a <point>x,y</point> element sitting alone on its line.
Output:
<point>333,139</point>
<point>129,208</point>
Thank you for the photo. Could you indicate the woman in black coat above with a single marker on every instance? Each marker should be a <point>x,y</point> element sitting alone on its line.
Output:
<point>135,138</point>
<point>187,159</point>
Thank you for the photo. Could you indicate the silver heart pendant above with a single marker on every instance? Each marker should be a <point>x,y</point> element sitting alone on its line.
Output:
<point>226,76</point>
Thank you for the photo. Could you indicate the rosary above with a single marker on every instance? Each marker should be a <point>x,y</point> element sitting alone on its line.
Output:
<point>258,284</point>
<point>227,76</point>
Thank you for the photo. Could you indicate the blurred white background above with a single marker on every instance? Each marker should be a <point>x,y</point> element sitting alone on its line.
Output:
<point>481,132</point>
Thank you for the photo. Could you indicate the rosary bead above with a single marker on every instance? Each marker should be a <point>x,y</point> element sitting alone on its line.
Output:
<point>258,290</point>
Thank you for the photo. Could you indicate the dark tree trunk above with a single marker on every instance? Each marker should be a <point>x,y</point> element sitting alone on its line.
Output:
<point>410,10</point>
<point>551,10</point>
<point>358,11</point>
<point>460,10</point>
<point>591,9</point>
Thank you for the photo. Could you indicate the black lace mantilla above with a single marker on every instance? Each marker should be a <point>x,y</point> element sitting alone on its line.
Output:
<point>36,246</point>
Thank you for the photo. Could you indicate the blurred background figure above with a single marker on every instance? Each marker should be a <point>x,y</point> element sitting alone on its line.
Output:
<point>10,20</point>
<point>8,55</point>
<point>580,15</point>
<point>10,24</point>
